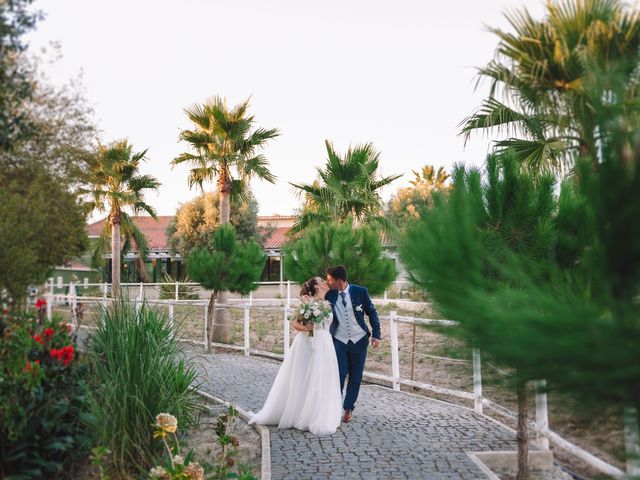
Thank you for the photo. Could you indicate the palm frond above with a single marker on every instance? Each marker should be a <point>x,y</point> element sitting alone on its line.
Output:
<point>101,246</point>
<point>535,155</point>
<point>491,114</point>
<point>256,166</point>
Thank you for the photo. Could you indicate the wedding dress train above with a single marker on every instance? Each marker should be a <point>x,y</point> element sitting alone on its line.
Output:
<point>306,392</point>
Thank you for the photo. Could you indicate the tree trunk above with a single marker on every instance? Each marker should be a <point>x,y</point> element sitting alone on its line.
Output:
<point>522,435</point>
<point>211,309</point>
<point>142,269</point>
<point>225,207</point>
<point>221,328</point>
<point>115,255</point>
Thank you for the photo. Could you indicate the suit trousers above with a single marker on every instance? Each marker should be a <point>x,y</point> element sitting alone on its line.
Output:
<point>351,359</point>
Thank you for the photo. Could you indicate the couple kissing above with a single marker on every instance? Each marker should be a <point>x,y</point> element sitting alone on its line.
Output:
<point>331,346</point>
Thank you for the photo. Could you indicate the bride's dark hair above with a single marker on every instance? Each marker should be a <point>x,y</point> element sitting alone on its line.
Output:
<point>309,287</point>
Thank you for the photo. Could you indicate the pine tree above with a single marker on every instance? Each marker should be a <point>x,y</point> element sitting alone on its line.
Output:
<point>225,265</point>
<point>550,285</point>
<point>359,250</point>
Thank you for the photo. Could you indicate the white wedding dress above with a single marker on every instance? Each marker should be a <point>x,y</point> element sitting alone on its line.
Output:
<point>306,392</point>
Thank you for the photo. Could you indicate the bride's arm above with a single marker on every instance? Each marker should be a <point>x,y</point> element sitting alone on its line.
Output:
<point>302,328</point>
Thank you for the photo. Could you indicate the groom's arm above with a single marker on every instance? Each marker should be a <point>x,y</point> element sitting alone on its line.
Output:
<point>370,310</point>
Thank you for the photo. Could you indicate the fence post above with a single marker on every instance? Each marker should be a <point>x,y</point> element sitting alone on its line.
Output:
<point>171,318</point>
<point>632,441</point>
<point>413,354</point>
<point>251,298</point>
<point>50,299</point>
<point>477,381</point>
<point>246,331</point>
<point>74,303</point>
<point>104,294</point>
<point>288,293</point>
<point>141,293</point>
<point>542,417</point>
<point>206,323</point>
<point>177,290</point>
<point>395,360</point>
<point>286,330</point>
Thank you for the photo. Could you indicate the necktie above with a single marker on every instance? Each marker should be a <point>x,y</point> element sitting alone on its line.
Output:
<point>344,299</point>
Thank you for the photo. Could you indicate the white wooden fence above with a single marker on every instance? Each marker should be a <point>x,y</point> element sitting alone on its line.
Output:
<point>541,425</point>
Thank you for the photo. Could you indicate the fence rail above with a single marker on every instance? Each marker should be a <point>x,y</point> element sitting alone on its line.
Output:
<point>541,425</point>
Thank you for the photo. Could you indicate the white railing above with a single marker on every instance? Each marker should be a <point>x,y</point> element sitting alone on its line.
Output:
<point>285,290</point>
<point>541,425</point>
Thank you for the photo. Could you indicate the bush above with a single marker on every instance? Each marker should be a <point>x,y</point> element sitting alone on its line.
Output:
<point>42,399</point>
<point>138,370</point>
<point>185,292</point>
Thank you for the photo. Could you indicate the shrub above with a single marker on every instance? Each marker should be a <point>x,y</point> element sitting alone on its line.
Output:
<point>42,398</point>
<point>138,371</point>
<point>185,292</point>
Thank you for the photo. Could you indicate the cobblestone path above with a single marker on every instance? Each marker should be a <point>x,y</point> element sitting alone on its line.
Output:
<point>392,435</point>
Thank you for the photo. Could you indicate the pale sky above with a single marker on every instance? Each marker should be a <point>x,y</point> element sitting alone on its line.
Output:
<point>397,73</point>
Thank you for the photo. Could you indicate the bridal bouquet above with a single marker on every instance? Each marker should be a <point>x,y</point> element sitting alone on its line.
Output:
<point>312,310</point>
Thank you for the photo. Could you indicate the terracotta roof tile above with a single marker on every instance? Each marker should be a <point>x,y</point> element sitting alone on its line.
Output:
<point>277,238</point>
<point>156,231</point>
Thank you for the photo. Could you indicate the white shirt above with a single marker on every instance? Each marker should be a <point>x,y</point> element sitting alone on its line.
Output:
<point>348,327</point>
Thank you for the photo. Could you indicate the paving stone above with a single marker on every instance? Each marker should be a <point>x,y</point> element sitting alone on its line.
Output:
<point>392,435</point>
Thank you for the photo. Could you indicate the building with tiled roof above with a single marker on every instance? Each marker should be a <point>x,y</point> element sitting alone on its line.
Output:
<point>161,261</point>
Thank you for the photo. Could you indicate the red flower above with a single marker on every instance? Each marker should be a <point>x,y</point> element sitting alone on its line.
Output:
<point>48,332</point>
<point>32,367</point>
<point>41,303</point>
<point>64,354</point>
<point>5,311</point>
<point>38,339</point>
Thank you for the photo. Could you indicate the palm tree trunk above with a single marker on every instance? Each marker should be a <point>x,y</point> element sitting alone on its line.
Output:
<point>522,436</point>
<point>225,207</point>
<point>142,269</point>
<point>115,255</point>
<point>221,328</point>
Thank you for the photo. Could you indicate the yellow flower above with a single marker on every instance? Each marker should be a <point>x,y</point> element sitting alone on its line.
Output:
<point>168,423</point>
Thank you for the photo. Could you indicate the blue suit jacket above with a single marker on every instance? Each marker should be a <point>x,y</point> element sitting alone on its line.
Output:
<point>359,298</point>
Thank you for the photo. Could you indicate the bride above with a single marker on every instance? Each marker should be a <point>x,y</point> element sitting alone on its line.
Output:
<point>306,392</point>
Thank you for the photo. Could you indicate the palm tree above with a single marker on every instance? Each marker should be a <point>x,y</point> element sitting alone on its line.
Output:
<point>224,145</point>
<point>117,185</point>
<point>348,186</point>
<point>225,150</point>
<point>430,178</point>
<point>541,73</point>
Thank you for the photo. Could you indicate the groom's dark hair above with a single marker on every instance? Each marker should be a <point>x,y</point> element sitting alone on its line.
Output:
<point>338,272</point>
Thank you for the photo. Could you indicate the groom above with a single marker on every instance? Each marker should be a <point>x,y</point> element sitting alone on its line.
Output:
<point>350,333</point>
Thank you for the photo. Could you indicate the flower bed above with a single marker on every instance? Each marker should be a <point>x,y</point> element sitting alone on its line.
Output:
<point>42,391</point>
